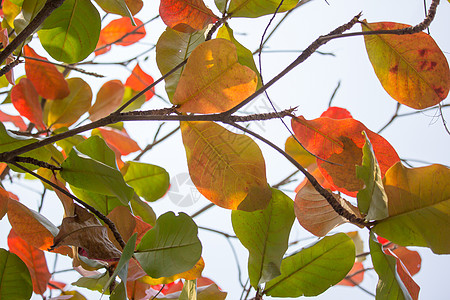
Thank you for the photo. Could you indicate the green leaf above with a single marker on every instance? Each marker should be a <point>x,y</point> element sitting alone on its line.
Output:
<point>171,247</point>
<point>15,278</point>
<point>122,266</point>
<point>143,210</point>
<point>313,270</point>
<point>258,8</point>
<point>265,234</point>
<point>419,207</point>
<point>245,56</point>
<point>172,48</point>
<point>118,7</point>
<point>93,283</point>
<point>189,291</point>
<point>96,148</point>
<point>120,292</point>
<point>85,173</point>
<point>10,141</point>
<point>72,31</point>
<point>149,181</point>
<point>65,112</point>
<point>372,200</point>
<point>103,203</point>
<point>390,286</point>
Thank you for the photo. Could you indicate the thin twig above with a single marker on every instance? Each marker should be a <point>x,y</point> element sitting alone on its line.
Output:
<point>334,93</point>
<point>70,67</point>
<point>285,180</point>
<point>202,210</point>
<point>150,146</point>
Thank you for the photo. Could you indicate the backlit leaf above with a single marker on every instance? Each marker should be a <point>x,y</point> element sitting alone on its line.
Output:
<point>340,141</point>
<point>411,67</point>
<point>134,6</point>
<point>139,80</point>
<point>143,210</point>
<point>171,247</point>
<point>96,148</point>
<point>48,81</point>
<point>10,11</point>
<point>299,153</point>
<point>314,212</point>
<point>125,224</point>
<point>5,41</point>
<point>186,15</point>
<point>31,226</point>
<point>213,80</point>
<point>410,259</point>
<point>257,8</point>
<point>85,231</point>
<point>227,168</point>
<point>65,112</point>
<point>372,200</point>
<point>4,198</point>
<point>191,274</point>
<point>189,291</point>
<point>71,32</point>
<point>149,181</point>
<point>418,206</point>
<point>118,139</point>
<point>118,7</point>
<point>355,275</point>
<point>394,281</point>
<point>93,282</point>
<point>172,48</point>
<point>33,258</point>
<point>313,270</point>
<point>83,172</point>
<point>109,98</point>
<point>16,120</point>
<point>14,276</point>
<point>336,113</point>
<point>26,100</point>
<point>265,234</point>
<point>103,203</point>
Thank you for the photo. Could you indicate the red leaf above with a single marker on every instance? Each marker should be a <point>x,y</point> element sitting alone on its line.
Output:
<point>340,141</point>
<point>120,32</point>
<point>336,113</point>
<point>26,100</point>
<point>33,258</point>
<point>405,276</point>
<point>119,140</point>
<point>48,81</point>
<point>186,15</point>
<point>16,120</point>
<point>352,280</point>
<point>411,259</point>
<point>56,285</point>
<point>139,80</point>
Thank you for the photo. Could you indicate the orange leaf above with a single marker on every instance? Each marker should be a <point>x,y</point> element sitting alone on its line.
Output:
<point>48,81</point>
<point>139,80</point>
<point>411,259</point>
<point>405,277</point>
<point>357,278</point>
<point>33,258</point>
<point>411,67</point>
<point>4,198</point>
<point>119,139</point>
<point>315,214</point>
<point>141,228</point>
<point>340,141</point>
<point>67,202</point>
<point>191,274</point>
<point>26,100</point>
<point>24,222</point>
<point>16,120</point>
<point>336,113</point>
<point>124,221</point>
<point>109,97</point>
<point>213,81</point>
<point>186,15</point>
<point>227,168</point>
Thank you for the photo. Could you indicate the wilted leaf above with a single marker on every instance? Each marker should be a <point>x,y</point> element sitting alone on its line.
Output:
<point>139,80</point>
<point>83,172</point>
<point>265,234</point>
<point>48,81</point>
<point>31,226</point>
<point>85,231</point>
<point>16,120</point>
<point>186,15</point>
<point>172,48</point>
<point>71,32</point>
<point>314,212</point>
<point>213,80</point>
<point>149,181</point>
<point>258,8</point>
<point>33,258</point>
<point>394,281</point>
<point>26,100</point>
<point>372,200</point>
<point>227,168</point>
<point>118,139</point>
<point>109,98</point>
<point>313,270</point>
<point>418,207</point>
<point>65,112</point>
<point>13,274</point>
<point>340,141</point>
<point>411,67</point>
<point>171,247</point>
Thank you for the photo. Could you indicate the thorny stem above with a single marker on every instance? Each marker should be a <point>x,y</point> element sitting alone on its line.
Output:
<point>101,216</point>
